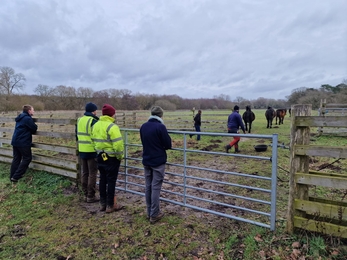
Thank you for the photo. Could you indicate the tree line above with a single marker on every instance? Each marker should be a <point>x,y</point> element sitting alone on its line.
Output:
<point>70,98</point>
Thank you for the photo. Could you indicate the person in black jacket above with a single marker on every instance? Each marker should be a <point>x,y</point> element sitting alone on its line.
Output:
<point>155,141</point>
<point>22,142</point>
<point>197,124</point>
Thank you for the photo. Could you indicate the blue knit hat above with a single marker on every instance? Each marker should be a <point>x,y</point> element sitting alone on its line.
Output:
<point>91,107</point>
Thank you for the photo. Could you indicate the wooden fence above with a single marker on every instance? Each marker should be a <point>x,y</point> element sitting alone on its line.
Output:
<point>212,120</point>
<point>332,109</point>
<point>54,145</point>
<point>304,211</point>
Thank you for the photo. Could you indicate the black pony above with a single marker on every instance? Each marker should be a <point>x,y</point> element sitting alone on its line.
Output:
<point>270,115</point>
<point>248,117</point>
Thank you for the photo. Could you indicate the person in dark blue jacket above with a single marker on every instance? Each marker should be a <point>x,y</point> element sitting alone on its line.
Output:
<point>22,142</point>
<point>155,141</point>
<point>197,124</point>
<point>234,123</point>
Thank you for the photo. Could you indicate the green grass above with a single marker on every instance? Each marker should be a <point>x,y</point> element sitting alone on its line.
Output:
<point>42,218</point>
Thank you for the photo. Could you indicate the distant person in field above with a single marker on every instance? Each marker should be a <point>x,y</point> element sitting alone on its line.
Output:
<point>197,124</point>
<point>22,142</point>
<point>87,152</point>
<point>234,123</point>
<point>155,141</point>
<point>109,145</point>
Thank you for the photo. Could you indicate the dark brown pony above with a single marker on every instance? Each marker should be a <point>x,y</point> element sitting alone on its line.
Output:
<point>270,114</point>
<point>248,117</point>
<point>280,114</point>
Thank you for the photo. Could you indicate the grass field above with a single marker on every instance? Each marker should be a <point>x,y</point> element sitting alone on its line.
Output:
<point>42,217</point>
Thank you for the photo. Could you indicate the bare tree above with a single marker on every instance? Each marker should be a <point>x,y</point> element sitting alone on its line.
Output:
<point>83,96</point>
<point>43,91</point>
<point>9,80</point>
<point>239,99</point>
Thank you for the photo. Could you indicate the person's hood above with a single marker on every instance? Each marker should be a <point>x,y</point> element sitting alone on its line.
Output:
<point>21,116</point>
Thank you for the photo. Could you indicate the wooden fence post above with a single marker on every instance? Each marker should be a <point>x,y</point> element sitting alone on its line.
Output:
<point>78,158</point>
<point>321,112</point>
<point>134,120</point>
<point>3,135</point>
<point>300,136</point>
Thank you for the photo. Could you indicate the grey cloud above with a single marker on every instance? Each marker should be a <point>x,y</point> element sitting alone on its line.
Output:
<point>197,48</point>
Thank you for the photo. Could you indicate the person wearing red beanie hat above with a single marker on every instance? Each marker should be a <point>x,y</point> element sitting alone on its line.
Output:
<point>109,146</point>
<point>108,110</point>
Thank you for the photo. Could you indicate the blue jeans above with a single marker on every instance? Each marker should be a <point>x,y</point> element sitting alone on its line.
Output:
<point>197,129</point>
<point>21,159</point>
<point>154,177</point>
<point>108,176</point>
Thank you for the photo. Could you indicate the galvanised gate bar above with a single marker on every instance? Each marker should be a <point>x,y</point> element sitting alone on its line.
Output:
<point>205,178</point>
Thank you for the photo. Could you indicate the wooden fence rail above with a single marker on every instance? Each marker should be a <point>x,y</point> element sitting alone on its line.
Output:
<point>305,212</point>
<point>54,144</point>
<point>335,111</point>
<point>54,150</point>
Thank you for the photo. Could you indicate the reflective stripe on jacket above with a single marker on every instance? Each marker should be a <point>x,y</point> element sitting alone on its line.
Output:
<point>108,138</point>
<point>84,130</point>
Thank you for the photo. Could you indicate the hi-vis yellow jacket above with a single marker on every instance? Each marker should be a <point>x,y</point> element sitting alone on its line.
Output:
<point>84,130</point>
<point>107,137</point>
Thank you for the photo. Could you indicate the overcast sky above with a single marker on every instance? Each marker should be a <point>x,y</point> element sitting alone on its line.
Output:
<point>191,48</point>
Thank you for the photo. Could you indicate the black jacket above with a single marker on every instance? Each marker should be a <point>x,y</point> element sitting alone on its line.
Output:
<point>25,127</point>
<point>155,140</point>
<point>197,119</point>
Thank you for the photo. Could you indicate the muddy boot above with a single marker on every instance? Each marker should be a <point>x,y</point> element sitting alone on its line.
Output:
<point>102,204</point>
<point>114,208</point>
<point>237,149</point>
<point>227,148</point>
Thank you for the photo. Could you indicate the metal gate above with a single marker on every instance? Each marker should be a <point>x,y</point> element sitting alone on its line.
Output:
<point>205,178</point>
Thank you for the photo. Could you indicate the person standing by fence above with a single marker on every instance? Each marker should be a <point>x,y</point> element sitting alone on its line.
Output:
<point>234,123</point>
<point>155,141</point>
<point>87,152</point>
<point>109,146</point>
<point>22,142</point>
<point>197,124</point>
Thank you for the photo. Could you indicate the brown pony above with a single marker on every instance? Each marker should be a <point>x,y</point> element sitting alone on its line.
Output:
<point>248,117</point>
<point>280,114</point>
<point>270,114</point>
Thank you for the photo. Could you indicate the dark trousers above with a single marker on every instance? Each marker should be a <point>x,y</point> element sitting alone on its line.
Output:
<point>197,129</point>
<point>88,177</point>
<point>108,176</point>
<point>21,159</point>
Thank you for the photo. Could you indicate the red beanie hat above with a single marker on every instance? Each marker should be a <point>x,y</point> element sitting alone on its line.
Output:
<point>108,110</point>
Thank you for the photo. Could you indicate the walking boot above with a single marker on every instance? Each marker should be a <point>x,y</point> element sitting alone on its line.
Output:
<point>227,148</point>
<point>152,220</point>
<point>114,208</point>
<point>93,199</point>
<point>102,207</point>
<point>237,149</point>
<point>102,204</point>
